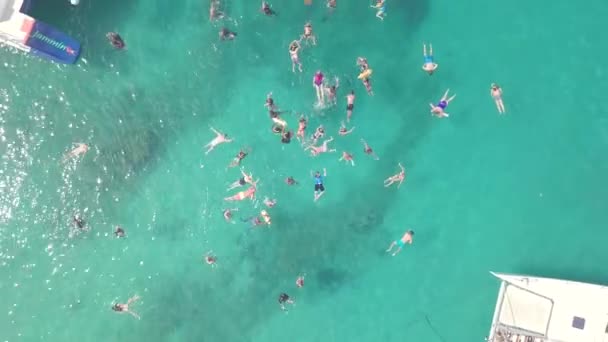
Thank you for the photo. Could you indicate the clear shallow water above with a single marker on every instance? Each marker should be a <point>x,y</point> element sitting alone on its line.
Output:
<point>517,193</point>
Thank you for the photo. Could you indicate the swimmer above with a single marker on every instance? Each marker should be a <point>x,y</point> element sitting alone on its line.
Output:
<point>317,83</point>
<point>116,40</point>
<point>294,48</point>
<point>269,202</point>
<point>254,221</point>
<point>285,299</point>
<point>308,35</point>
<point>119,232</point>
<point>332,91</point>
<point>316,150</point>
<point>438,110</point>
<point>286,137</point>
<point>219,139</point>
<point>78,222</point>
<point>407,238</point>
<point>210,259</point>
<point>269,102</point>
<point>247,178</point>
<point>78,150</point>
<point>240,156</point>
<point>300,281</point>
<point>214,12</point>
<point>266,217</point>
<point>400,177</point>
<point>319,188</point>
<point>381,7</point>
<point>318,134</point>
<point>347,157</point>
<point>350,104</point>
<point>291,181</point>
<point>302,123</point>
<point>368,86</point>
<point>226,34</point>
<point>362,63</point>
<point>331,4</point>
<point>344,131</point>
<point>429,65</point>
<point>249,193</point>
<point>496,93</point>
<point>124,308</point>
<point>368,150</point>
<point>266,9</point>
<point>228,214</point>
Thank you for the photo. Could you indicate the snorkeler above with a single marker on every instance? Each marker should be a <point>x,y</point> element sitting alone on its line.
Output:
<point>302,123</point>
<point>285,299</point>
<point>219,139</point>
<point>308,35</point>
<point>368,150</point>
<point>381,7</point>
<point>254,221</point>
<point>316,150</point>
<point>496,93</point>
<point>344,131</point>
<point>226,34</point>
<point>429,65</point>
<point>116,40</point>
<point>240,156</point>
<point>438,110</point>
<point>78,150</point>
<point>124,308</point>
<point>350,104</point>
<point>247,178</point>
<point>407,238</point>
<point>317,83</point>
<point>294,48</point>
<point>241,195</point>
<point>400,177</point>
<point>290,181</point>
<point>319,188</point>
<point>119,232</point>
<point>267,10</point>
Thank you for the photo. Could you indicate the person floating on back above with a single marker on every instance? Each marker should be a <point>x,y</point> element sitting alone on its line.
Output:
<point>429,65</point>
<point>400,177</point>
<point>439,109</point>
<point>381,7</point>
<point>407,238</point>
<point>319,188</point>
<point>496,93</point>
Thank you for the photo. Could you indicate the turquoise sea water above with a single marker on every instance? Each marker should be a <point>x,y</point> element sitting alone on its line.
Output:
<point>521,193</point>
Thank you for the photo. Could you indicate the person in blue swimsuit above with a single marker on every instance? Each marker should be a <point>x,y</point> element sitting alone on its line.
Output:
<point>319,188</point>
<point>407,238</point>
<point>381,7</point>
<point>439,109</point>
<point>429,65</point>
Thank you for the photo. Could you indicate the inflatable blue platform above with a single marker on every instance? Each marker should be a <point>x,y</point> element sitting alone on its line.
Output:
<point>48,42</point>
